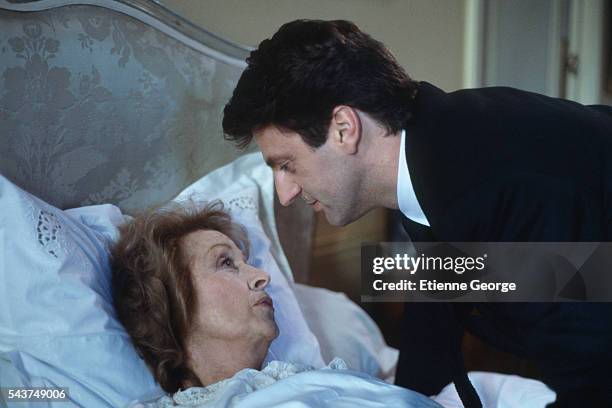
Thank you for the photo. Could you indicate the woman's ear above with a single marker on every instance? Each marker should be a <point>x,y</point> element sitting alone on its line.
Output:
<point>345,129</point>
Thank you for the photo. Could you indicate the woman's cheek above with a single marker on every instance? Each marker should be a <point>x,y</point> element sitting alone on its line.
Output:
<point>225,301</point>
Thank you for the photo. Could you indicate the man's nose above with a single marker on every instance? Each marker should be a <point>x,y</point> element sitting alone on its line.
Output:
<point>286,189</point>
<point>258,279</point>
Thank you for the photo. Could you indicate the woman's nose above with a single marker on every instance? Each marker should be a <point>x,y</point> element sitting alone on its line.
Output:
<point>258,279</point>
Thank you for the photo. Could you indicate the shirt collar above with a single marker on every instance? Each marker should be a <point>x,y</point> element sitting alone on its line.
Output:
<point>406,197</point>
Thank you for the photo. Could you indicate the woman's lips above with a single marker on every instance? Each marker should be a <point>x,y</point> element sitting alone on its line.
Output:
<point>266,301</point>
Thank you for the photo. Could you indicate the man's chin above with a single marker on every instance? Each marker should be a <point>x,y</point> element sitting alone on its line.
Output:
<point>341,219</point>
<point>337,220</point>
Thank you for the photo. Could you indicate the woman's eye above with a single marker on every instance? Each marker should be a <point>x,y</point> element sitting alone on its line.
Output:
<point>227,262</point>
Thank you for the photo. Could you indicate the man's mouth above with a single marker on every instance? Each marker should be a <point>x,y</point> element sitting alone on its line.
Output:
<point>313,203</point>
<point>309,201</point>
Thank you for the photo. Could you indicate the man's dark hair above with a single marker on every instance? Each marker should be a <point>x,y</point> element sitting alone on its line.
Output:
<point>296,78</point>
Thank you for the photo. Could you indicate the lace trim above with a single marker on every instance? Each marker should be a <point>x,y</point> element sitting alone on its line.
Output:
<point>53,236</point>
<point>47,230</point>
<point>253,380</point>
<point>242,203</point>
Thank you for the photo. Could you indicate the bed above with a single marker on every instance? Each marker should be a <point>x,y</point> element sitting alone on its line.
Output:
<point>119,102</point>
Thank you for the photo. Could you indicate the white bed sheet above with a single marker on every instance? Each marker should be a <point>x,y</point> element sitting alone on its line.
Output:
<point>282,384</point>
<point>500,391</point>
<point>334,388</point>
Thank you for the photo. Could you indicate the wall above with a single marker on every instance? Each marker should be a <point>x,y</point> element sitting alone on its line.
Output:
<point>522,45</point>
<point>425,35</point>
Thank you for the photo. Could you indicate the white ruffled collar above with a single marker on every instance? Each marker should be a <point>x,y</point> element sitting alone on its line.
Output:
<point>250,379</point>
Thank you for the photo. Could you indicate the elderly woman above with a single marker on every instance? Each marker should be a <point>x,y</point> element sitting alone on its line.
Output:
<point>196,311</point>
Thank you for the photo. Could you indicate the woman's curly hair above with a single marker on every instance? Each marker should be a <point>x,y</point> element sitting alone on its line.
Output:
<point>153,291</point>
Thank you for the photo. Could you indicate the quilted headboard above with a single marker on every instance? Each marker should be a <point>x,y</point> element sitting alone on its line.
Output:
<point>117,101</point>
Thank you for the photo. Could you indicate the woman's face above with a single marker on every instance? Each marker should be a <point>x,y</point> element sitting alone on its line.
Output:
<point>232,303</point>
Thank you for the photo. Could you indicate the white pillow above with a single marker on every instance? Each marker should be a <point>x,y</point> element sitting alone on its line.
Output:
<point>57,323</point>
<point>246,188</point>
<point>357,339</point>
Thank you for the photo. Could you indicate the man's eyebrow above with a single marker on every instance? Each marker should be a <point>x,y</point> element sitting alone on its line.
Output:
<point>272,161</point>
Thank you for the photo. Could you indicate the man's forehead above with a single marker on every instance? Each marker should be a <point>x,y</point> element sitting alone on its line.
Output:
<point>275,144</point>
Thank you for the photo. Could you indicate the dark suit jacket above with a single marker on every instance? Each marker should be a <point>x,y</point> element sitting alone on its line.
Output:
<point>500,164</point>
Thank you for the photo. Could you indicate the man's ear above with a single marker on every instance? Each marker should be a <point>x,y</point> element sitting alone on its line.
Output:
<point>345,129</point>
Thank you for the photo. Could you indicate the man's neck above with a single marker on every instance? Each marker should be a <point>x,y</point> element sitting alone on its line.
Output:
<point>382,161</point>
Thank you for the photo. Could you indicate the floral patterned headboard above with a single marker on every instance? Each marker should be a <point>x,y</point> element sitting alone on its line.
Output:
<point>119,101</point>
<point>115,102</point>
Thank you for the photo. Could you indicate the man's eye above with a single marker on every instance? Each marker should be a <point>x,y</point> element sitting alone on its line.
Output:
<point>285,167</point>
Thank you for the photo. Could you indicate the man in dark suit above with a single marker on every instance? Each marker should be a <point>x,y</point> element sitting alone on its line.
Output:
<point>344,127</point>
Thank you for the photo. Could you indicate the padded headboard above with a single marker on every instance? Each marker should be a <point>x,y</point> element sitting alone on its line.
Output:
<point>117,101</point>
<point>108,104</point>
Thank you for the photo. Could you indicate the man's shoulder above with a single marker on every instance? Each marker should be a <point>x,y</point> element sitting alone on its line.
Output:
<point>481,108</point>
<point>508,100</point>
<point>513,104</point>
<point>505,112</point>
<point>430,91</point>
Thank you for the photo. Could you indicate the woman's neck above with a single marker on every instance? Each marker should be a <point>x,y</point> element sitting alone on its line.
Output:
<point>214,360</point>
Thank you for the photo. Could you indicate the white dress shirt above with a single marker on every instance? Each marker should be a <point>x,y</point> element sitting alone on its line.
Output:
<point>406,197</point>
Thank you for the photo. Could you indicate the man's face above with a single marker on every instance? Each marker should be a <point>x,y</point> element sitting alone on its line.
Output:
<point>326,178</point>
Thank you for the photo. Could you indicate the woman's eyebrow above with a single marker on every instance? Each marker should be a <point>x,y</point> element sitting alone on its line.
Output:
<point>217,245</point>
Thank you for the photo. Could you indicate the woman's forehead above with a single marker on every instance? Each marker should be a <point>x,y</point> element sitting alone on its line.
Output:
<point>202,242</point>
